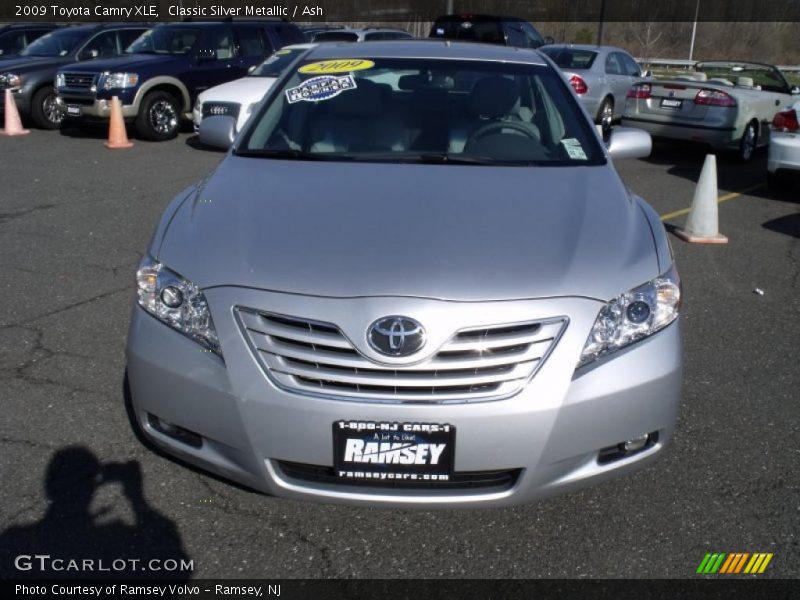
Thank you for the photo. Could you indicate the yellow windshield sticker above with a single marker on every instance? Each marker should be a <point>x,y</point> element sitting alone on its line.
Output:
<point>342,65</point>
<point>281,52</point>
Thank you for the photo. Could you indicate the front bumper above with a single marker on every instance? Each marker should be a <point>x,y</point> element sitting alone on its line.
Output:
<point>92,108</point>
<point>551,432</point>
<point>784,152</point>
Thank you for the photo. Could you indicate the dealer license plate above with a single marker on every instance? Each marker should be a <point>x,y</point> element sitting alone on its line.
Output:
<point>670,103</point>
<point>73,110</point>
<point>393,452</point>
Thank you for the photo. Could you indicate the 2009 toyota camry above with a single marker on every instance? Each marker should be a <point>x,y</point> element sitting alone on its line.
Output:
<point>415,279</point>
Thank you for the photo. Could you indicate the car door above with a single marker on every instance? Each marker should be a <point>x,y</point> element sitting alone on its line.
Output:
<point>618,80</point>
<point>215,60</point>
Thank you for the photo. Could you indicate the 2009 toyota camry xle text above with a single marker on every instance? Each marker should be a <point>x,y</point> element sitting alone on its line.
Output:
<point>416,279</point>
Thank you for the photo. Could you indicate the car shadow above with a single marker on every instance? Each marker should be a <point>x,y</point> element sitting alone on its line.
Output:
<point>787,225</point>
<point>81,543</point>
<point>193,141</point>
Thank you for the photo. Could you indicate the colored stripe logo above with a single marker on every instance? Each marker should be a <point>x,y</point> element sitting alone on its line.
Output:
<point>734,563</point>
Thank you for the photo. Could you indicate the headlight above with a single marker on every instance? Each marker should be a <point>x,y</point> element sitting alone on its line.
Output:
<point>177,302</point>
<point>118,80</point>
<point>60,81</point>
<point>10,80</point>
<point>634,315</point>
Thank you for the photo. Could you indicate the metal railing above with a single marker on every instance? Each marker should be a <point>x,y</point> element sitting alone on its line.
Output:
<point>686,64</point>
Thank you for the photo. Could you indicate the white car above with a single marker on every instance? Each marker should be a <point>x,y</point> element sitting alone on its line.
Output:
<point>238,98</point>
<point>784,146</point>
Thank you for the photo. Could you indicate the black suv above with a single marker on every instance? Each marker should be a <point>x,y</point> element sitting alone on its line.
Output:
<point>488,29</point>
<point>160,75</point>
<point>30,74</point>
<point>14,38</point>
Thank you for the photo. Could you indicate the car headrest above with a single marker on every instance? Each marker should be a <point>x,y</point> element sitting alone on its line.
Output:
<point>744,81</point>
<point>700,76</point>
<point>366,100</point>
<point>494,97</point>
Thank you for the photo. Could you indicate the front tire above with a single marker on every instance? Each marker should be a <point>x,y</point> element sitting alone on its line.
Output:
<point>44,110</point>
<point>159,117</point>
<point>748,143</point>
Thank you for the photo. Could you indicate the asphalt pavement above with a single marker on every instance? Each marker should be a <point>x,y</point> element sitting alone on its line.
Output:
<point>74,221</point>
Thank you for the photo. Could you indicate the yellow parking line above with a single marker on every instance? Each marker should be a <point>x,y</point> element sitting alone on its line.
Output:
<point>720,200</point>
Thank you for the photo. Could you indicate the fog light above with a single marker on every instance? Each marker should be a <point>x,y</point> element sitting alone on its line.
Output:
<point>171,296</point>
<point>175,431</point>
<point>636,443</point>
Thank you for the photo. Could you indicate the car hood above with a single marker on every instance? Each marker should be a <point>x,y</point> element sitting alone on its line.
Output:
<point>243,91</point>
<point>127,62</point>
<point>23,64</point>
<point>436,231</point>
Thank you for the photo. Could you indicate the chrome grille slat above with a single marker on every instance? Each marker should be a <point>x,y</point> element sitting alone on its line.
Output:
<point>79,81</point>
<point>475,364</point>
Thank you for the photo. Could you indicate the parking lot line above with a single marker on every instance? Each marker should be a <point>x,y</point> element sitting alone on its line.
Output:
<point>720,200</point>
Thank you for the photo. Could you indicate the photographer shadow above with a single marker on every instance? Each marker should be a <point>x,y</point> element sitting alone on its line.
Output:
<point>70,532</point>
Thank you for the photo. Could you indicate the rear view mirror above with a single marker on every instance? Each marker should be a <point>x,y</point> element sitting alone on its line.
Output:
<point>647,74</point>
<point>218,132</point>
<point>629,142</point>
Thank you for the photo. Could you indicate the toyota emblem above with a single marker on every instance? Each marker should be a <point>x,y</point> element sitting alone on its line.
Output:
<point>396,336</point>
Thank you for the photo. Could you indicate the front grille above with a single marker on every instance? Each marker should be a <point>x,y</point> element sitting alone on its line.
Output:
<point>500,480</point>
<point>216,109</point>
<point>475,364</point>
<point>79,81</point>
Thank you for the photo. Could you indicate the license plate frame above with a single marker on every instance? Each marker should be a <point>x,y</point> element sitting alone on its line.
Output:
<point>417,445</point>
<point>73,110</point>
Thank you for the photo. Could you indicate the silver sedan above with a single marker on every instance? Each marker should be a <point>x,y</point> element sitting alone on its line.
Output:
<point>600,75</point>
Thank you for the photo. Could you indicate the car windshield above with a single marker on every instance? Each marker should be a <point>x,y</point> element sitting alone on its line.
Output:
<point>275,64</point>
<point>423,110</point>
<point>747,75</point>
<point>571,58</point>
<point>56,43</point>
<point>336,36</point>
<point>165,40</point>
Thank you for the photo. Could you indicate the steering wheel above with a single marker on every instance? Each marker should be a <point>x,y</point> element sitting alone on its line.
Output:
<point>520,127</point>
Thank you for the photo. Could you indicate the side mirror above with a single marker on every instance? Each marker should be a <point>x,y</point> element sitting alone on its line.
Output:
<point>647,74</point>
<point>795,90</point>
<point>629,142</point>
<point>218,132</point>
<point>89,54</point>
<point>549,40</point>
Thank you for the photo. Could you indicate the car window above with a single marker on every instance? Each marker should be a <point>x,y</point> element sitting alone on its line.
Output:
<point>380,110</point>
<point>535,40</point>
<point>336,36</point>
<point>55,43</point>
<point>12,42</point>
<point>102,45</point>
<point>34,34</point>
<point>571,58</point>
<point>288,35</point>
<point>515,36</point>
<point>220,43</point>
<point>128,36</point>
<point>275,64</point>
<point>251,42</point>
<point>386,35</point>
<point>747,75</point>
<point>631,66</point>
<point>612,64</point>
<point>165,39</point>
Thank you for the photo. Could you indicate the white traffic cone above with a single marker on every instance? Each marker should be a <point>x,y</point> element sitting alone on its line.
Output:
<point>702,225</point>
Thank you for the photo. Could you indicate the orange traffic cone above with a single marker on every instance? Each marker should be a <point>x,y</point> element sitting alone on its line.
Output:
<point>13,122</point>
<point>117,136</point>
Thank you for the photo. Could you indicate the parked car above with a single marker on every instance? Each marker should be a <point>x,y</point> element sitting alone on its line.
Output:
<point>410,295</point>
<point>16,37</point>
<point>160,75</point>
<point>727,105</point>
<point>238,98</point>
<point>600,75</point>
<point>361,34</point>
<point>30,75</point>
<point>488,29</point>
<point>783,156</point>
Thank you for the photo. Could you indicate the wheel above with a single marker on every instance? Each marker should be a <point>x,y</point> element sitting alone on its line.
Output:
<point>44,113</point>
<point>606,109</point>
<point>159,117</point>
<point>747,145</point>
